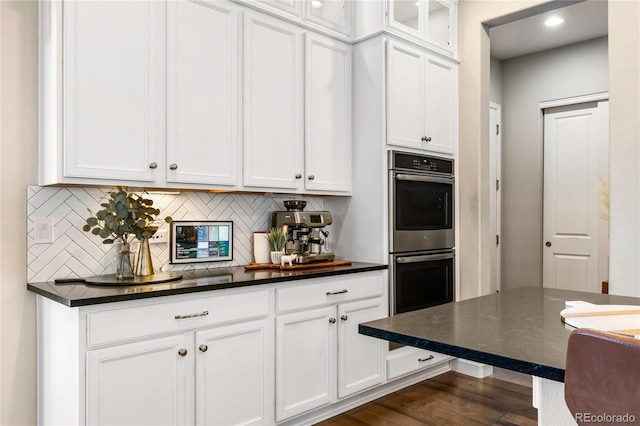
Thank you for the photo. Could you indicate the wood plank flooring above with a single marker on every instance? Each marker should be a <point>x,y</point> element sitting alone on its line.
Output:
<point>448,399</point>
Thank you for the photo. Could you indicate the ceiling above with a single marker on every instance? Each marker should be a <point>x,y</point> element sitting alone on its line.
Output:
<point>582,21</point>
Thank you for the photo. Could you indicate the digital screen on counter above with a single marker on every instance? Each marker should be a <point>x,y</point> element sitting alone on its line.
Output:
<point>205,241</point>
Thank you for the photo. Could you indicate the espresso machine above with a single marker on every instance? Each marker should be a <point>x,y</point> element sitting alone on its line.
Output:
<point>304,231</point>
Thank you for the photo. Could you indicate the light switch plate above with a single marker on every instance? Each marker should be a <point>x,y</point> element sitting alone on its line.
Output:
<point>43,230</point>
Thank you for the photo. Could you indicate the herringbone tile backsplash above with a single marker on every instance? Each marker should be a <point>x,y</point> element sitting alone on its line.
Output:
<point>75,253</point>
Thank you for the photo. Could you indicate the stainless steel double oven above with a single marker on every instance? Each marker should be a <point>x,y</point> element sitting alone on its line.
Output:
<point>421,234</point>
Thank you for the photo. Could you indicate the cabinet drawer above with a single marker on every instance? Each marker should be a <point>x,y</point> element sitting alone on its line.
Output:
<point>407,360</point>
<point>129,323</point>
<point>329,290</point>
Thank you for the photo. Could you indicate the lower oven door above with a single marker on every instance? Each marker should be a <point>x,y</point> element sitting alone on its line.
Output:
<point>421,280</point>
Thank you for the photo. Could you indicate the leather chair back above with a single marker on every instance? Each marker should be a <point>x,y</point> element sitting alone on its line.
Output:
<point>602,377</point>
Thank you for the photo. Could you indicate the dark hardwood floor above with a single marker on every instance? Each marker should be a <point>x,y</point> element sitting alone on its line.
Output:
<point>448,399</point>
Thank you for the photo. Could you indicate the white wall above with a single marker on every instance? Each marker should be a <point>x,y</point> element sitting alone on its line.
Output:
<point>624,146</point>
<point>569,71</point>
<point>18,141</point>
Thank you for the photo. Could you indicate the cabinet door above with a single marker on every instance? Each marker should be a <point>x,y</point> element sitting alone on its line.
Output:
<point>233,375</point>
<point>360,361</point>
<point>332,14</point>
<point>405,88</point>
<point>139,383</point>
<point>327,114</point>
<point>202,93</point>
<point>440,106</point>
<point>305,361</point>
<point>407,17</point>
<point>273,89</point>
<point>113,87</point>
<point>440,25</point>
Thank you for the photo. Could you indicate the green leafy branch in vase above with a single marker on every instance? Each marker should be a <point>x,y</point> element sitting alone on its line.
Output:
<point>123,216</point>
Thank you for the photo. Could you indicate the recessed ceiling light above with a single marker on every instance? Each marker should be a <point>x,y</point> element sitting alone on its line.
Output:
<point>552,22</point>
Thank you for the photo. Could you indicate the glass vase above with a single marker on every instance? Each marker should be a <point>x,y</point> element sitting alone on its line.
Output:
<point>124,267</point>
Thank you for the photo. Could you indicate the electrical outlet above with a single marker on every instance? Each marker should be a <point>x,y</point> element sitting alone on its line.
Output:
<point>43,230</point>
<point>160,237</point>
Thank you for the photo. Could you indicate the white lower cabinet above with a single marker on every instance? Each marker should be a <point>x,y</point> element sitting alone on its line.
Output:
<point>320,356</point>
<point>233,375</point>
<point>227,357</point>
<point>152,381</point>
<point>138,383</point>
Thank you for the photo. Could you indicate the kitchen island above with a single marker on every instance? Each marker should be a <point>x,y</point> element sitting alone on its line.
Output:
<point>518,330</point>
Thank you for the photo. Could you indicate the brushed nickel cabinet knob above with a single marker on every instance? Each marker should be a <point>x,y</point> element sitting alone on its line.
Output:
<point>182,352</point>
<point>311,177</point>
<point>203,348</point>
<point>153,165</point>
<point>298,176</point>
<point>174,166</point>
<point>344,317</point>
<point>332,320</point>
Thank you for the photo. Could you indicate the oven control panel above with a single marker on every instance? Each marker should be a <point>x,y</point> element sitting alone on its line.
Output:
<point>422,163</point>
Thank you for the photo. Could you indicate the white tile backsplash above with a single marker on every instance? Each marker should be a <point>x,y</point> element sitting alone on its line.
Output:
<point>75,253</point>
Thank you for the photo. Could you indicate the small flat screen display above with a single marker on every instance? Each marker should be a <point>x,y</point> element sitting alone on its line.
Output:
<point>204,241</point>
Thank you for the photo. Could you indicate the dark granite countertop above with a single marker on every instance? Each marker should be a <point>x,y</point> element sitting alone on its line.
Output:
<point>78,294</point>
<point>518,330</point>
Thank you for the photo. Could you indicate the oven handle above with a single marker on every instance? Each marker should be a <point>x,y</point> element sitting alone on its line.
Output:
<point>416,178</point>
<point>424,258</point>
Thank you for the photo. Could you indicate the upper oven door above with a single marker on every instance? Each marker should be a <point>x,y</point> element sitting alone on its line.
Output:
<point>421,212</point>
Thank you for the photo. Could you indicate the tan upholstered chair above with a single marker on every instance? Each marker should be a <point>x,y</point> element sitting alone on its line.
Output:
<point>602,377</point>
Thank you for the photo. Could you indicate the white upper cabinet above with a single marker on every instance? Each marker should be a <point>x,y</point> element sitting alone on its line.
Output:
<point>331,14</point>
<point>273,103</point>
<point>332,17</point>
<point>202,93</point>
<point>430,23</point>
<point>441,122</point>
<point>111,77</point>
<point>297,137</point>
<point>421,100</point>
<point>428,20</point>
<point>405,96</point>
<point>327,147</point>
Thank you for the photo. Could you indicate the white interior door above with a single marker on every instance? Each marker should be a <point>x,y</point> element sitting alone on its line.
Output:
<point>575,162</point>
<point>495,177</point>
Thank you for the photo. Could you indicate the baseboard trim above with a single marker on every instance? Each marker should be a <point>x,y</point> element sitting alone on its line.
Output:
<point>471,368</point>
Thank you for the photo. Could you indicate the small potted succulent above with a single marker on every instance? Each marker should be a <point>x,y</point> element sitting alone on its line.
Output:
<point>277,241</point>
<point>124,216</point>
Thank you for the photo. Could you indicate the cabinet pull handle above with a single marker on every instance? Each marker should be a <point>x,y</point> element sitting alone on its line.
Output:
<point>332,320</point>
<point>429,358</point>
<point>331,293</point>
<point>182,352</point>
<point>153,165</point>
<point>201,314</point>
<point>298,176</point>
<point>311,177</point>
<point>173,166</point>
<point>203,348</point>
<point>344,317</point>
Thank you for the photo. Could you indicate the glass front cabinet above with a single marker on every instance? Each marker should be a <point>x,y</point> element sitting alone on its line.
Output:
<point>426,20</point>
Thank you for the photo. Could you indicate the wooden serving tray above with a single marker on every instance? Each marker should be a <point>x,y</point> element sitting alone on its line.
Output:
<point>623,319</point>
<point>297,266</point>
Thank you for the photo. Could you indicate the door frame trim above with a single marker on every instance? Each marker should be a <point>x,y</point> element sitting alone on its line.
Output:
<point>594,97</point>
